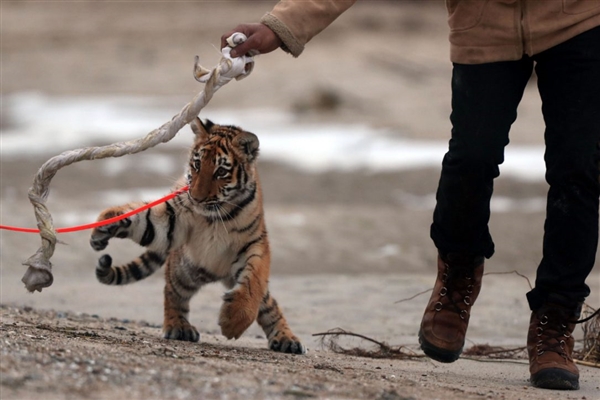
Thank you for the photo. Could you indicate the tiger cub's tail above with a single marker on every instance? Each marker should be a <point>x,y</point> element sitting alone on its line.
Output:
<point>138,269</point>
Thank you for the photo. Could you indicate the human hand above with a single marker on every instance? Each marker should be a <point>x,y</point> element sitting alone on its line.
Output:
<point>260,38</point>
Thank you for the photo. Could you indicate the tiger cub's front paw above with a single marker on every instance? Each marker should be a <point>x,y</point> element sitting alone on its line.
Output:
<point>286,343</point>
<point>237,314</point>
<point>180,329</point>
<point>101,235</point>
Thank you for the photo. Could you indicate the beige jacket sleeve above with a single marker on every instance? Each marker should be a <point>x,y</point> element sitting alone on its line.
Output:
<point>296,22</point>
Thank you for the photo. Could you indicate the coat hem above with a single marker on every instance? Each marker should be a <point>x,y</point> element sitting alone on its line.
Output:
<point>484,54</point>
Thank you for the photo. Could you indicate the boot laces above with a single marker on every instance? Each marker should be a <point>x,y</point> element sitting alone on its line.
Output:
<point>552,332</point>
<point>456,281</point>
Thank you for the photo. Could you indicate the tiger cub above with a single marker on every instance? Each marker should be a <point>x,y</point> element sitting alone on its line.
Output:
<point>214,231</point>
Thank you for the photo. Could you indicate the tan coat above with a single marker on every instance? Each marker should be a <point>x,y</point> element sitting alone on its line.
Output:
<point>481,31</point>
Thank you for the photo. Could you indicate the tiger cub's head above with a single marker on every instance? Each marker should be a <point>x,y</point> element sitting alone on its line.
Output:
<point>222,169</point>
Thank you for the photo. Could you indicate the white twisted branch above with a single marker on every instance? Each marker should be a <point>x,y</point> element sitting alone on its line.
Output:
<point>39,273</point>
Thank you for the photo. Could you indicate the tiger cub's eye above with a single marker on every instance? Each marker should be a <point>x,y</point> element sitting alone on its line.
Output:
<point>196,164</point>
<point>221,172</point>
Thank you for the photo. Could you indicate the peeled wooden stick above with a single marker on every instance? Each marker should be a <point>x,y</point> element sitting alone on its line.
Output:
<point>39,273</point>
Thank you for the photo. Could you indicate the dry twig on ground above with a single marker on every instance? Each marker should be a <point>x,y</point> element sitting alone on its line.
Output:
<point>590,353</point>
<point>330,338</point>
<point>496,352</point>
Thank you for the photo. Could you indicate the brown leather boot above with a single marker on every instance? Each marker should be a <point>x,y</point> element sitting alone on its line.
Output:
<point>550,348</point>
<point>444,324</point>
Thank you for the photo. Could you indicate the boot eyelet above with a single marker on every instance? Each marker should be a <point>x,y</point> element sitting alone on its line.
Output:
<point>567,334</point>
<point>539,331</point>
<point>467,300</point>
<point>539,353</point>
<point>544,320</point>
<point>463,314</point>
<point>438,306</point>
<point>443,291</point>
<point>470,289</point>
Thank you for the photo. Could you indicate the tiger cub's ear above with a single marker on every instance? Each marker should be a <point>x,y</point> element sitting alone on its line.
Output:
<point>201,129</point>
<point>246,146</point>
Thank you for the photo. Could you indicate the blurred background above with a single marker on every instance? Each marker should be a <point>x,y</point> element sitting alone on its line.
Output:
<point>352,137</point>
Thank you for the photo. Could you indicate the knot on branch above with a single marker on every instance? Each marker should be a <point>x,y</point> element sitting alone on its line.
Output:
<point>228,68</point>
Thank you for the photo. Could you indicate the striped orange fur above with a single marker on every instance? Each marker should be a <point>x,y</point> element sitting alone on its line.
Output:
<point>213,232</point>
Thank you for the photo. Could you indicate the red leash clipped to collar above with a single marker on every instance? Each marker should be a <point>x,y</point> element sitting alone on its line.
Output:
<point>104,222</point>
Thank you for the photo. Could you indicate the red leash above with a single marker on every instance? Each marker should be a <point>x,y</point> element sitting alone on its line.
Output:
<point>104,222</point>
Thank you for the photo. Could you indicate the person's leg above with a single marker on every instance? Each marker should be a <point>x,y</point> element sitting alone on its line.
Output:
<point>484,105</point>
<point>569,84</point>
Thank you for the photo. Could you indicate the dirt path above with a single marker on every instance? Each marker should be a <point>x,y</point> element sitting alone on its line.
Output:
<point>58,355</point>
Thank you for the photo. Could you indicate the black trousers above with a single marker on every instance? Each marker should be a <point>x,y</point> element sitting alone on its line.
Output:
<point>484,105</point>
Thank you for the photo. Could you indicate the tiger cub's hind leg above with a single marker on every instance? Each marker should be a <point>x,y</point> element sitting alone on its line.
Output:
<point>278,332</point>
<point>179,289</point>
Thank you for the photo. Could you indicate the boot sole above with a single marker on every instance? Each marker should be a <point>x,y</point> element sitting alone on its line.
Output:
<point>555,378</point>
<point>438,354</point>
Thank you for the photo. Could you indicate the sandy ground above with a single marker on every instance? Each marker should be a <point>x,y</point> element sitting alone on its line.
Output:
<point>346,246</point>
